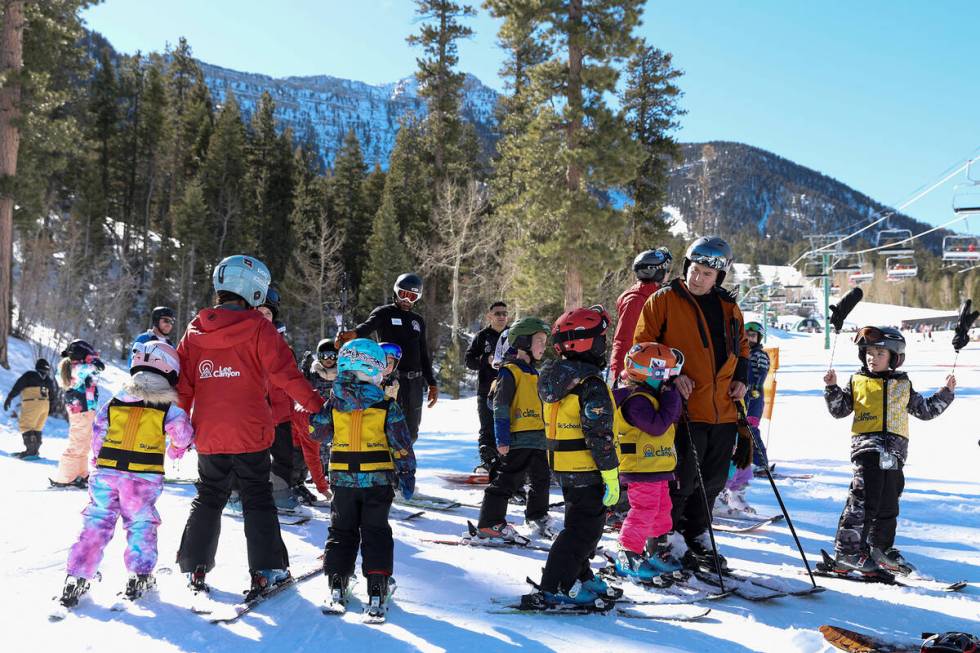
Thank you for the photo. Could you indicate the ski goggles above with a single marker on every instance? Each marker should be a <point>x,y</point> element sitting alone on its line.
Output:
<point>716,261</point>
<point>873,335</point>
<point>659,372</point>
<point>408,295</point>
<point>330,356</point>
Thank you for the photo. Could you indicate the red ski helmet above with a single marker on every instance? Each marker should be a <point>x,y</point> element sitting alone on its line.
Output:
<point>581,331</point>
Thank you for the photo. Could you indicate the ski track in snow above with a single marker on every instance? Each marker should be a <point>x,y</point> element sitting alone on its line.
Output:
<point>443,592</point>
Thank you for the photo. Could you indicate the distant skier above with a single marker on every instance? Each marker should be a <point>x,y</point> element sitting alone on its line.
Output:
<point>732,498</point>
<point>37,393</point>
<point>479,357</point>
<point>881,399</point>
<point>648,407</point>
<point>78,372</point>
<point>651,268</point>
<point>231,355</point>
<point>520,438</point>
<point>578,414</point>
<point>129,440</point>
<point>162,320</point>
<point>371,455</point>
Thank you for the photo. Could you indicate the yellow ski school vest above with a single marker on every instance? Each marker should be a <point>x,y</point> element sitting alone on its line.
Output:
<point>525,407</point>
<point>640,452</point>
<point>135,440</point>
<point>359,440</point>
<point>567,450</point>
<point>880,405</point>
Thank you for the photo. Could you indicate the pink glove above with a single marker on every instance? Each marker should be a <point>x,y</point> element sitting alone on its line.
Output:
<point>753,421</point>
<point>175,453</point>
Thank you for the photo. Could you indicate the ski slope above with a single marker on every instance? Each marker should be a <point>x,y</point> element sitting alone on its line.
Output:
<point>443,592</point>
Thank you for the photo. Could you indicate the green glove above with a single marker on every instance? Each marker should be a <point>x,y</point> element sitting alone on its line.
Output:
<point>610,477</point>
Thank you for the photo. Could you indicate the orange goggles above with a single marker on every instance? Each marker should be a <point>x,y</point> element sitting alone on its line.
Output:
<point>408,295</point>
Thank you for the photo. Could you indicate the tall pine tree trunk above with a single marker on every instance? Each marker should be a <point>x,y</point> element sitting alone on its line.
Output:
<point>573,173</point>
<point>11,63</point>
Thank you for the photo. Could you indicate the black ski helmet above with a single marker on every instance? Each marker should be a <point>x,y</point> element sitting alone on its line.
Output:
<point>653,264</point>
<point>325,345</point>
<point>78,350</point>
<point>951,643</point>
<point>272,300</point>
<point>161,312</point>
<point>408,283</point>
<point>888,337</point>
<point>42,367</point>
<point>713,252</point>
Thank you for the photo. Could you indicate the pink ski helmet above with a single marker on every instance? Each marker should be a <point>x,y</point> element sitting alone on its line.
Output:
<point>158,357</point>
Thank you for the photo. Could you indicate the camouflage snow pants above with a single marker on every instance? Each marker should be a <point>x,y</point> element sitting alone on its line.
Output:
<point>871,513</point>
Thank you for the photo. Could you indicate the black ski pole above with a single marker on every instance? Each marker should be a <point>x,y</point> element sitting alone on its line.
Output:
<point>704,498</point>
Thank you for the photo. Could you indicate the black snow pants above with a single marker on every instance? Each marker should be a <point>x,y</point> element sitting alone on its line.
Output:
<point>282,452</point>
<point>517,465</point>
<point>411,394</point>
<point>871,513</point>
<point>715,444</point>
<point>488,440</point>
<point>359,519</point>
<point>199,543</point>
<point>568,560</point>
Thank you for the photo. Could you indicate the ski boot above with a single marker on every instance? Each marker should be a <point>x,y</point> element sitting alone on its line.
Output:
<point>195,581</point>
<point>638,569</point>
<point>340,593</point>
<point>500,533</point>
<point>845,563</point>
<point>519,498</point>
<point>577,596</point>
<point>737,505</point>
<point>304,496</point>
<point>380,589</point>
<point>700,555</point>
<point>264,581</point>
<point>892,561</point>
<point>78,482</point>
<point>545,527</point>
<point>602,589</point>
<point>661,557</point>
<point>75,587</point>
<point>139,584</point>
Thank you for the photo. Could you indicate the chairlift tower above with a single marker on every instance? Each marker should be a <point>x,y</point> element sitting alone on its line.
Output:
<point>825,250</point>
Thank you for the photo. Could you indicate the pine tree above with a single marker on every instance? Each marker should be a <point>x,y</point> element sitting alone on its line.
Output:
<point>386,256</point>
<point>574,148</point>
<point>650,106</point>
<point>350,209</point>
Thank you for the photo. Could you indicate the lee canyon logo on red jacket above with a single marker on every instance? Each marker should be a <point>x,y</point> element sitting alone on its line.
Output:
<point>207,370</point>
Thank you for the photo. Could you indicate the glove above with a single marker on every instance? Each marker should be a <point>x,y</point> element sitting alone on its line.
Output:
<point>962,331</point>
<point>743,446</point>
<point>753,421</point>
<point>754,393</point>
<point>175,453</point>
<point>433,395</point>
<point>841,309</point>
<point>610,477</point>
<point>344,337</point>
<point>489,455</point>
<point>407,486</point>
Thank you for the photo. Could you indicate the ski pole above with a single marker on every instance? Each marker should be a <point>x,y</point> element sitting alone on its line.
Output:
<point>833,350</point>
<point>704,498</point>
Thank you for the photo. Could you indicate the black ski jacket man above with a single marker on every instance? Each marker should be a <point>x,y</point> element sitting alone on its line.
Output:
<point>479,357</point>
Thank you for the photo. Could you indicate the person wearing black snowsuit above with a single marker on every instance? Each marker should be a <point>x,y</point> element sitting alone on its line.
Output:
<point>37,391</point>
<point>479,357</point>
<point>406,329</point>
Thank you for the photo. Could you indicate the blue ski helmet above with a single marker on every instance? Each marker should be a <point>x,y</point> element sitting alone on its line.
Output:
<point>244,276</point>
<point>393,350</point>
<point>364,358</point>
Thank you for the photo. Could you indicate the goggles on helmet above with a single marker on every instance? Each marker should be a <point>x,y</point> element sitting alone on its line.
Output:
<point>659,372</point>
<point>870,335</point>
<point>716,261</point>
<point>327,355</point>
<point>409,296</point>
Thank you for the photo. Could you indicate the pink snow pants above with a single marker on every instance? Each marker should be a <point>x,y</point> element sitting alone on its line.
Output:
<point>649,514</point>
<point>112,495</point>
<point>74,462</point>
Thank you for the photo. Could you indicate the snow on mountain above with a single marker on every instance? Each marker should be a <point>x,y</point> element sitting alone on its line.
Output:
<point>331,106</point>
<point>444,592</point>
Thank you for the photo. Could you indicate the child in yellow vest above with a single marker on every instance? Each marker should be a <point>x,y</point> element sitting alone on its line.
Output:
<point>36,390</point>
<point>578,415</point>
<point>370,456</point>
<point>519,432</point>
<point>129,440</point>
<point>646,413</point>
<point>881,399</point>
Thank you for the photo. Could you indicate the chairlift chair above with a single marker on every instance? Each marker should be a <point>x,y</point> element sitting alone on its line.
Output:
<point>961,249</point>
<point>813,270</point>
<point>900,268</point>
<point>847,265</point>
<point>894,242</point>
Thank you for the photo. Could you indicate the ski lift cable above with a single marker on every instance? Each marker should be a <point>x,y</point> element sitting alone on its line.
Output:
<point>915,198</point>
<point>911,238</point>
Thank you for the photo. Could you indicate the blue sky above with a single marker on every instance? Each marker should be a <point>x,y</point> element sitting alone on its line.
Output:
<point>882,95</point>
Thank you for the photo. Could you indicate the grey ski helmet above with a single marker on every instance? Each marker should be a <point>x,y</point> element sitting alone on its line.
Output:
<point>653,264</point>
<point>887,337</point>
<point>244,276</point>
<point>713,252</point>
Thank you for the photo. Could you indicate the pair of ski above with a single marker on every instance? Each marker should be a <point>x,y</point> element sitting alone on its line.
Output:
<point>373,612</point>
<point>743,523</point>
<point>826,568</point>
<point>471,538</point>
<point>779,476</point>
<point>426,502</point>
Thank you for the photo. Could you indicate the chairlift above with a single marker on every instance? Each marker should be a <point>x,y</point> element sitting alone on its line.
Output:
<point>847,265</point>
<point>893,242</point>
<point>826,244</point>
<point>813,270</point>
<point>966,199</point>
<point>900,268</point>
<point>961,249</point>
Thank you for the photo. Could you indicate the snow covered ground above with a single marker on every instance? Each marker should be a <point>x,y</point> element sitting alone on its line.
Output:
<point>443,592</point>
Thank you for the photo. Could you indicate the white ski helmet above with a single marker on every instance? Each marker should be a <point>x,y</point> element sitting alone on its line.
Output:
<point>245,276</point>
<point>158,357</point>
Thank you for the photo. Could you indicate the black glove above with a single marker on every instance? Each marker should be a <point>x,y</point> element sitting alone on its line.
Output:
<point>841,309</point>
<point>962,334</point>
<point>489,455</point>
<point>743,446</point>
